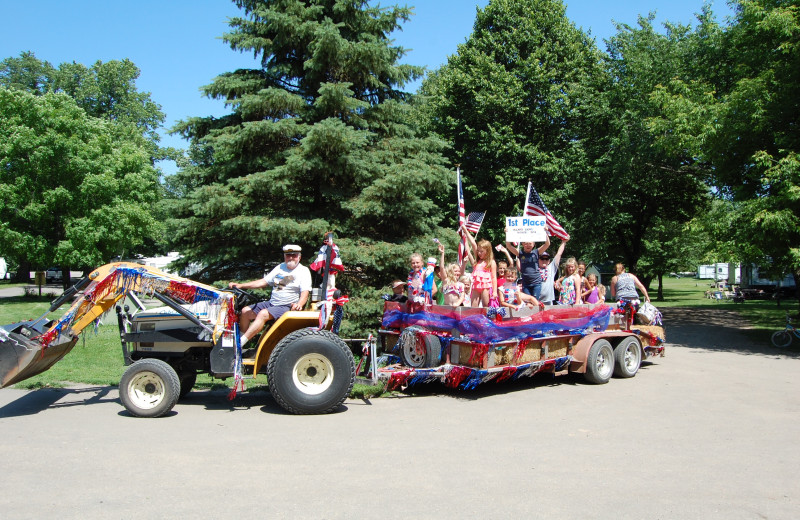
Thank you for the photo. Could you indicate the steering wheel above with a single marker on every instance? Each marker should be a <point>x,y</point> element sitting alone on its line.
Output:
<point>243,298</point>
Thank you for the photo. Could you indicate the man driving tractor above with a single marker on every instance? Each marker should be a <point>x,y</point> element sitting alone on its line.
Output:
<point>291,285</point>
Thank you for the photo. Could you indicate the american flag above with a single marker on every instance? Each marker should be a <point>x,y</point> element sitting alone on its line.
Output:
<point>534,205</point>
<point>461,217</point>
<point>474,221</point>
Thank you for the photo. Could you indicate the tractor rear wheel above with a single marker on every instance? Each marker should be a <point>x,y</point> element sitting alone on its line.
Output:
<point>311,372</point>
<point>149,388</point>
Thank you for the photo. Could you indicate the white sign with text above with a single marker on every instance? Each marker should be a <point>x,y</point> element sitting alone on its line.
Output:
<point>526,229</point>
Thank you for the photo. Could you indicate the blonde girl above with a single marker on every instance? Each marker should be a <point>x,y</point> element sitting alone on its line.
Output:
<point>569,285</point>
<point>466,279</point>
<point>453,289</point>
<point>484,272</point>
<point>416,277</point>
<point>594,293</point>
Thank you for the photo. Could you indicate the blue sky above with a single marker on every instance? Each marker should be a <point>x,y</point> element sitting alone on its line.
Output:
<point>176,43</point>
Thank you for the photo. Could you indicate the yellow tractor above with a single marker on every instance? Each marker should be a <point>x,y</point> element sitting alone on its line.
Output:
<point>194,329</point>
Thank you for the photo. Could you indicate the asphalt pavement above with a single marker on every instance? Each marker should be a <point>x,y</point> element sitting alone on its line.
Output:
<point>709,431</point>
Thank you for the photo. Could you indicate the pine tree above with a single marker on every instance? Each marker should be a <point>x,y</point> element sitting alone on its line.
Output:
<point>320,137</point>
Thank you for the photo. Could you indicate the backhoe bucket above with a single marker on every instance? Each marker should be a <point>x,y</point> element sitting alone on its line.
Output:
<point>22,358</point>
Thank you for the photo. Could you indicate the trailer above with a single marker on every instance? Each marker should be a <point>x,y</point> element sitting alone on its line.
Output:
<point>463,347</point>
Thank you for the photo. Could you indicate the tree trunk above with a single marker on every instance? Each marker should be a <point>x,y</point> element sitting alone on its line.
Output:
<point>66,281</point>
<point>660,294</point>
<point>796,275</point>
<point>23,272</point>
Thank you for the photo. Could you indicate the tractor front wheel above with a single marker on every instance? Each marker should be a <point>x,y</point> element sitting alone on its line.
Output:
<point>149,388</point>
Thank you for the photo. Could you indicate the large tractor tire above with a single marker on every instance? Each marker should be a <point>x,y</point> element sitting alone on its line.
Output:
<point>430,353</point>
<point>627,357</point>
<point>600,362</point>
<point>149,388</point>
<point>311,372</point>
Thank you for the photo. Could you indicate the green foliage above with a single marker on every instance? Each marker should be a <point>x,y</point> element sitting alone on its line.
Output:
<point>104,90</point>
<point>649,191</point>
<point>108,91</point>
<point>320,138</point>
<point>511,103</point>
<point>107,94</point>
<point>742,120</point>
<point>74,192</point>
<point>27,73</point>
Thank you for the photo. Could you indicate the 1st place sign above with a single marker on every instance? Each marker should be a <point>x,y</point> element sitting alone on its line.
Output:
<point>526,229</point>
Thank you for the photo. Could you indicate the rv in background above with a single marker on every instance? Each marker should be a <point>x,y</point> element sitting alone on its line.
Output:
<point>162,263</point>
<point>719,271</point>
<point>751,278</point>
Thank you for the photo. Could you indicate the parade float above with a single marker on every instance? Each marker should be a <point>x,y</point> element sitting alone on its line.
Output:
<point>463,347</point>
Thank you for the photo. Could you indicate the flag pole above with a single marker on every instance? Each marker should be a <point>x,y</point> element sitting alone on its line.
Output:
<point>527,197</point>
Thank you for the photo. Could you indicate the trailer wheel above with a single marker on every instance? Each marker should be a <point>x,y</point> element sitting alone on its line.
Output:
<point>412,356</point>
<point>149,388</point>
<point>627,357</point>
<point>311,372</point>
<point>600,362</point>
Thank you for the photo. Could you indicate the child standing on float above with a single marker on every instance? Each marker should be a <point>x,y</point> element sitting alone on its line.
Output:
<point>452,288</point>
<point>484,272</point>
<point>569,285</point>
<point>528,258</point>
<point>416,278</point>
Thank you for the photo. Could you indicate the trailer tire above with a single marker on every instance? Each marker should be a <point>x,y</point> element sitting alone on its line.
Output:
<point>627,357</point>
<point>311,372</point>
<point>149,388</point>
<point>408,348</point>
<point>600,362</point>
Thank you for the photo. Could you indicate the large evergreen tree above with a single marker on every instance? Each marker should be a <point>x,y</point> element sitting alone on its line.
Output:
<point>320,138</point>
<point>511,102</point>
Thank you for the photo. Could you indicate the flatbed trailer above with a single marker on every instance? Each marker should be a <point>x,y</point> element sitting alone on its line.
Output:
<point>463,347</point>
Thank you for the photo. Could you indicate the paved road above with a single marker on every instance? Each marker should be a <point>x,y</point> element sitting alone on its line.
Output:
<point>710,431</point>
<point>51,289</point>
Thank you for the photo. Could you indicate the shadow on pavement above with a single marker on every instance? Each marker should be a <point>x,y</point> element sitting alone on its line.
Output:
<point>720,330</point>
<point>36,401</point>
<point>39,400</point>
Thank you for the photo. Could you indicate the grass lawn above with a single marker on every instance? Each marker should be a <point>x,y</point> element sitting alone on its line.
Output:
<point>764,316</point>
<point>97,358</point>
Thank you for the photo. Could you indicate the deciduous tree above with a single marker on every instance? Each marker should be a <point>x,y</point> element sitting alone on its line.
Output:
<point>72,192</point>
<point>510,101</point>
<point>745,126</point>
